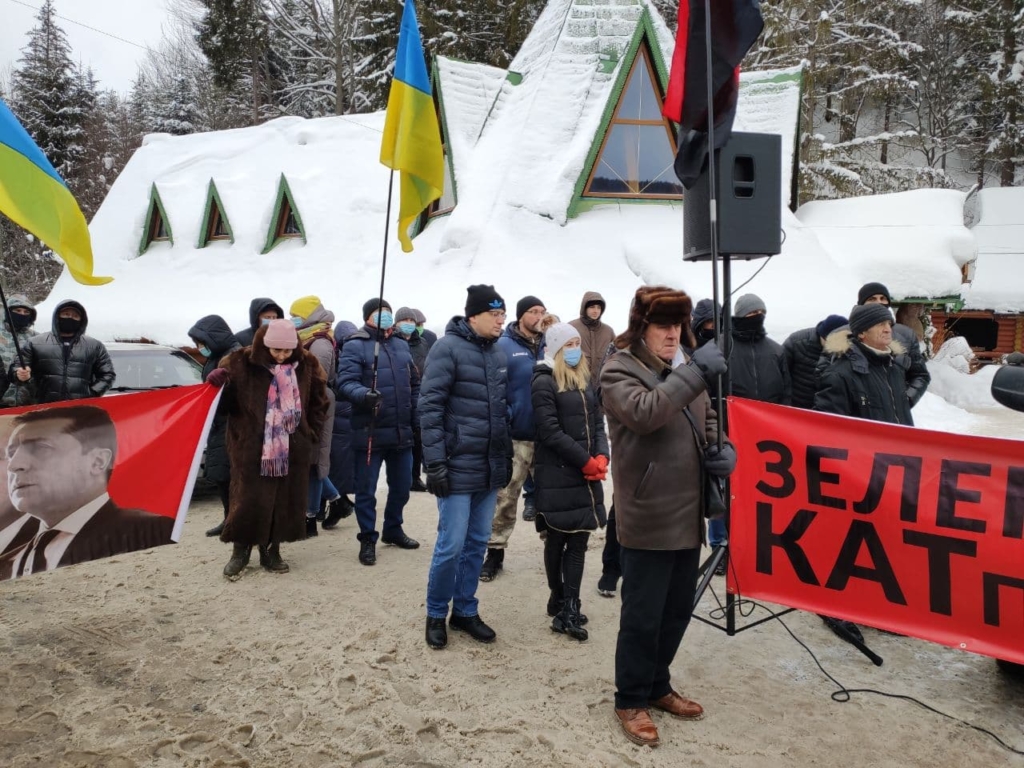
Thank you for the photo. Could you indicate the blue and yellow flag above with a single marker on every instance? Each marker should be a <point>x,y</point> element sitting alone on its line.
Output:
<point>412,140</point>
<point>35,197</point>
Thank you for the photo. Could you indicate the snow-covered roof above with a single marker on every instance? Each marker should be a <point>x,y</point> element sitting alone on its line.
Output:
<point>913,242</point>
<point>998,282</point>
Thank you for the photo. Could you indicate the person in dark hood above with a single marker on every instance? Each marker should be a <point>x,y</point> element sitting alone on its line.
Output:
<point>342,472</point>
<point>702,321</point>
<point>261,312</point>
<point>214,340</point>
<point>23,317</point>
<point>65,364</point>
<point>596,336</point>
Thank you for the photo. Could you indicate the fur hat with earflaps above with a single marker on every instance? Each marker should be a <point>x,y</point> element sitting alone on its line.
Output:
<point>657,305</point>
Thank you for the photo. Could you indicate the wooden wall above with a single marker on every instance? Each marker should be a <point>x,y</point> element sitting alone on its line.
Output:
<point>1010,334</point>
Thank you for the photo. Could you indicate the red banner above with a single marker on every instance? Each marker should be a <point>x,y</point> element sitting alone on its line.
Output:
<point>87,479</point>
<point>903,529</point>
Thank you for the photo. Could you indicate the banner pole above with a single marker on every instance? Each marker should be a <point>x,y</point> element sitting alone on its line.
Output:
<point>380,309</point>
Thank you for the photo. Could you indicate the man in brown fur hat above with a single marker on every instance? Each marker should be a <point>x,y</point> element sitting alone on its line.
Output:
<point>655,397</point>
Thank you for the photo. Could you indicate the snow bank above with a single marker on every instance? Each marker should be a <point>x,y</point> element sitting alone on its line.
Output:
<point>998,282</point>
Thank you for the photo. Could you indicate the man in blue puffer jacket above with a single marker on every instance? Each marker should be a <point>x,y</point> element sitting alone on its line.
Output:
<point>523,345</point>
<point>383,414</point>
<point>467,450</point>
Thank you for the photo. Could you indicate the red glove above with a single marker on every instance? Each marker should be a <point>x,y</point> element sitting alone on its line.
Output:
<point>218,377</point>
<point>592,467</point>
<point>603,461</point>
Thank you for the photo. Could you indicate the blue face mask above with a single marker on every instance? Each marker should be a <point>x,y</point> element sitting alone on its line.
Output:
<point>572,356</point>
<point>407,329</point>
<point>385,321</point>
<point>205,351</point>
<point>266,321</point>
<point>298,321</point>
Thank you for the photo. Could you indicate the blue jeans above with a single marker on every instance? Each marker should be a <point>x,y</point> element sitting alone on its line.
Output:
<point>717,533</point>
<point>327,489</point>
<point>398,463</point>
<point>463,529</point>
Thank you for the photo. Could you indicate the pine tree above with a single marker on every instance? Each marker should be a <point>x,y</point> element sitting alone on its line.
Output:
<point>179,115</point>
<point>374,44</point>
<point>233,36</point>
<point>47,97</point>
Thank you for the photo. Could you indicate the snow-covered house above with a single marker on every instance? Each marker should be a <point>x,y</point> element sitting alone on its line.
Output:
<point>561,182</point>
<point>992,314</point>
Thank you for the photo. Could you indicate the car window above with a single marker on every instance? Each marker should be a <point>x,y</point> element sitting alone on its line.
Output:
<point>157,368</point>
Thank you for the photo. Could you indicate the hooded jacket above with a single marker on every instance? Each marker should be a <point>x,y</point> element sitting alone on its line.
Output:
<point>861,383</point>
<point>595,335</point>
<point>464,411</point>
<point>67,368</point>
<point>570,429</point>
<point>256,307</point>
<point>13,394</point>
<point>522,354</point>
<point>214,332</point>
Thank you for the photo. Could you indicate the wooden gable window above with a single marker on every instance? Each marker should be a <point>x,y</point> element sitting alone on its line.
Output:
<point>215,222</point>
<point>287,222</point>
<point>639,148</point>
<point>156,227</point>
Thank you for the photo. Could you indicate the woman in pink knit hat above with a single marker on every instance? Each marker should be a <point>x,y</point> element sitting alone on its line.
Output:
<point>275,393</point>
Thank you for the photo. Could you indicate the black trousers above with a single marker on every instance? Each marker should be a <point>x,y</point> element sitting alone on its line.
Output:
<point>610,556</point>
<point>224,491</point>
<point>564,554</point>
<point>658,588</point>
<point>417,455</point>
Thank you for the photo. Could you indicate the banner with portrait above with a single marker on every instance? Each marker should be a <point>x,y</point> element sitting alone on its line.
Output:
<point>903,529</point>
<point>87,479</point>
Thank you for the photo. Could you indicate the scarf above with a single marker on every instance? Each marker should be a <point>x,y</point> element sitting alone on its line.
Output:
<point>315,331</point>
<point>284,410</point>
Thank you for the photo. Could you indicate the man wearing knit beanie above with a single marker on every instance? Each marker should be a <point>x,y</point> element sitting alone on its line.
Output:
<point>467,450</point>
<point>522,344</point>
<point>916,371</point>
<point>803,351</point>
<point>757,364</point>
<point>384,397</point>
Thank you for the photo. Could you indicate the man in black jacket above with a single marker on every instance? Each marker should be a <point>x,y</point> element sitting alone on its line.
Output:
<point>916,372</point>
<point>757,364</point>
<point>803,351</point>
<point>405,327</point>
<point>467,449</point>
<point>65,364</point>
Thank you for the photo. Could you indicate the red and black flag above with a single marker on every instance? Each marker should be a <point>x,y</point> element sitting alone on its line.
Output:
<point>735,26</point>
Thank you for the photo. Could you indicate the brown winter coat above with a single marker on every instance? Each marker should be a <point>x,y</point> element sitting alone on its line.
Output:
<point>267,510</point>
<point>595,336</point>
<point>656,459</point>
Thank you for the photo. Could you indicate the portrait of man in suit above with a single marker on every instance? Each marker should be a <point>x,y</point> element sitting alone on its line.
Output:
<point>59,462</point>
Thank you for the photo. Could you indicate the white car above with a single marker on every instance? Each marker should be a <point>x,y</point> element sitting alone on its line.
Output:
<point>141,367</point>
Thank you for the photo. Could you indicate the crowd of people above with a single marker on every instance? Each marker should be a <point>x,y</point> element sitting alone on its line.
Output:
<point>488,416</point>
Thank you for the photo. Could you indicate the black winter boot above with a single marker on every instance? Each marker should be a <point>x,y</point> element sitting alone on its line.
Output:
<point>567,622</point>
<point>239,559</point>
<point>555,606</point>
<point>492,564</point>
<point>273,562</point>
<point>218,529</point>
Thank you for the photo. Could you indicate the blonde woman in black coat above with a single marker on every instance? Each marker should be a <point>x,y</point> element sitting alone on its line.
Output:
<point>570,461</point>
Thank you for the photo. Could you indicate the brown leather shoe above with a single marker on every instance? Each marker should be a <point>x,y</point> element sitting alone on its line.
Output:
<point>679,706</point>
<point>638,726</point>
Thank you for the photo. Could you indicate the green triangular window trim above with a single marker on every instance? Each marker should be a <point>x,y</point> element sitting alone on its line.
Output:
<point>644,35</point>
<point>155,216</point>
<point>284,207</point>
<point>212,215</point>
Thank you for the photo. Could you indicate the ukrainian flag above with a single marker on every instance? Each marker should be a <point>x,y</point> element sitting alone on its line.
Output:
<point>34,196</point>
<point>412,140</point>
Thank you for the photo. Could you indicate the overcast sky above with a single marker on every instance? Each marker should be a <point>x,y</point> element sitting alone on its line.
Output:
<point>113,61</point>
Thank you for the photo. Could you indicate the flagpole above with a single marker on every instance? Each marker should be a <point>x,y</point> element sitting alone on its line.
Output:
<point>380,307</point>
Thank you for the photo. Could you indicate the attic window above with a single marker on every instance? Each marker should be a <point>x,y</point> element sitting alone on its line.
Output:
<point>638,150</point>
<point>286,223</point>
<point>156,228</point>
<point>215,222</point>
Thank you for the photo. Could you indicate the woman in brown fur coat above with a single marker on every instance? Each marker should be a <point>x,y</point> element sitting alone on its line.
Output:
<point>275,394</point>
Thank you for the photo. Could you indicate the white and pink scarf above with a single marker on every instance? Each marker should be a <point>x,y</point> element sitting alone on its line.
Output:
<point>284,411</point>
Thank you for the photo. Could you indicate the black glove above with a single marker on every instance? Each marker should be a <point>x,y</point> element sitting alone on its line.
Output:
<point>437,480</point>
<point>709,361</point>
<point>372,399</point>
<point>720,462</point>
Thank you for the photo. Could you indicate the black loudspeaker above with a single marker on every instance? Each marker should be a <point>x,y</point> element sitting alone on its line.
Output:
<point>748,185</point>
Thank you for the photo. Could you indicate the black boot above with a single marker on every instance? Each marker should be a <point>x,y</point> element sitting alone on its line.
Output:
<point>368,552</point>
<point>567,622</point>
<point>474,627</point>
<point>334,513</point>
<point>437,633</point>
<point>217,530</point>
<point>347,506</point>
<point>492,564</point>
<point>555,606</point>
<point>239,559</point>
<point>311,530</point>
<point>271,559</point>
